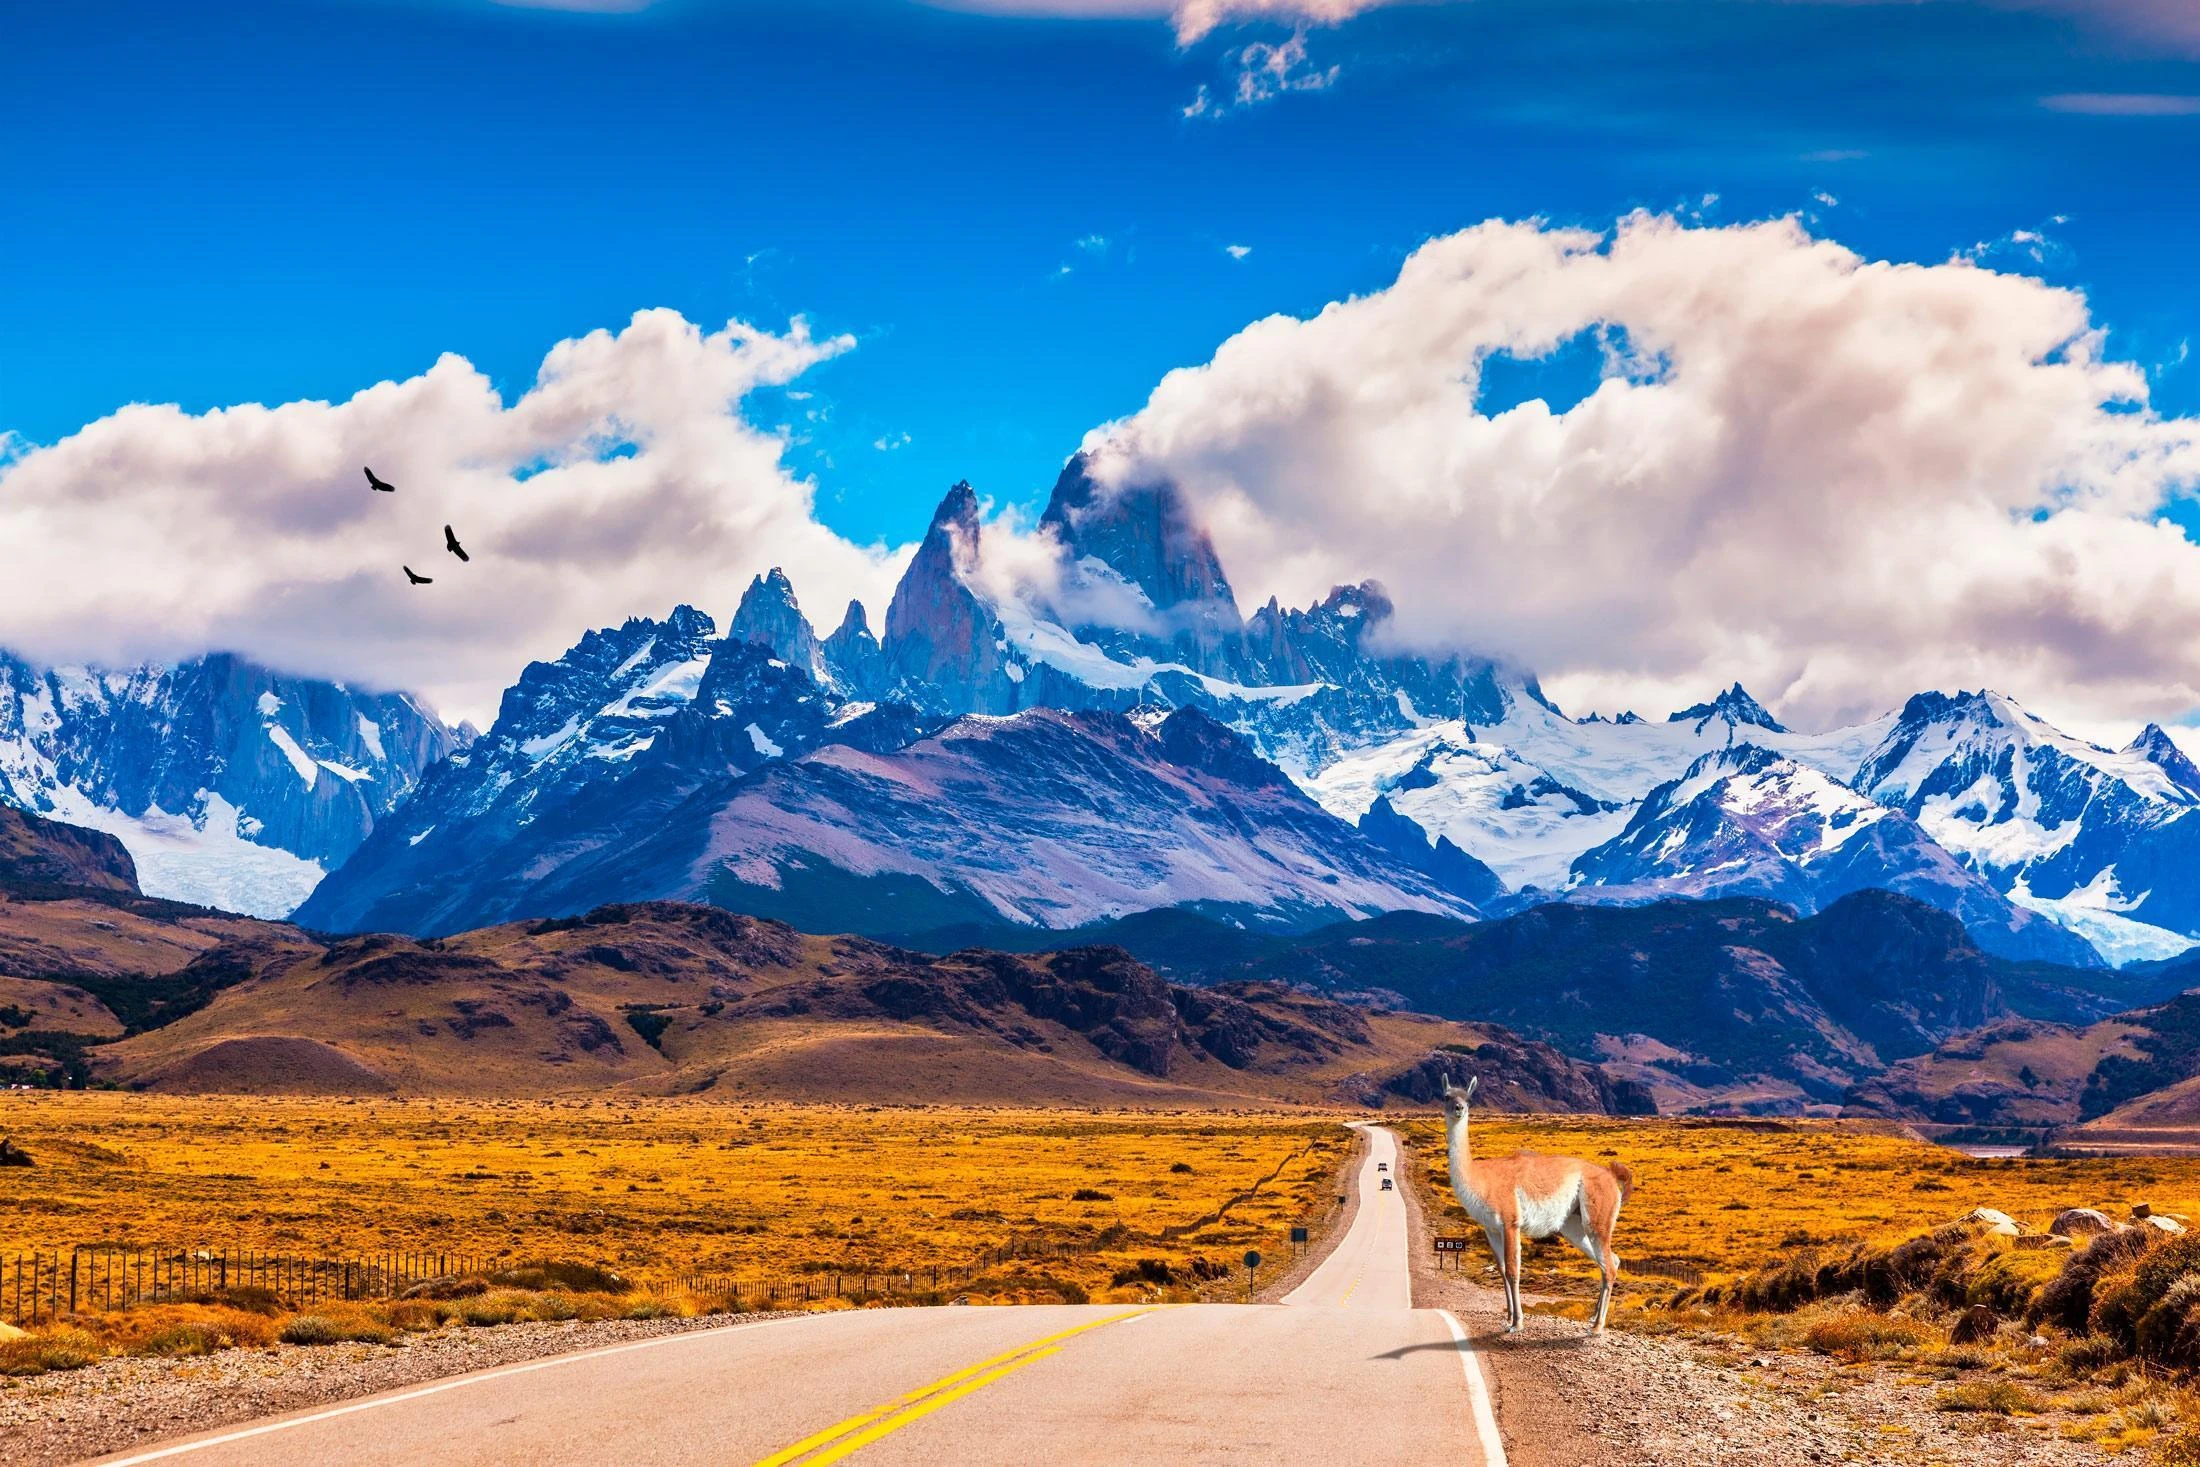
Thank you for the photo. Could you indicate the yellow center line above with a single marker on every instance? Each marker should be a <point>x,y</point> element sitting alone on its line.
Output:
<point>926,1407</point>
<point>991,1369</point>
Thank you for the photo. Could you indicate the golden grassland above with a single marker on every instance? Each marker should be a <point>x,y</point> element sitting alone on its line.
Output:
<point>1105,1205</point>
<point>1721,1211</point>
<point>1718,1199</point>
<point>658,1188</point>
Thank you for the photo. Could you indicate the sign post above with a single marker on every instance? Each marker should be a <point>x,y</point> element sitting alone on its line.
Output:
<point>1252,1269</point>
<point>1452,1243</point>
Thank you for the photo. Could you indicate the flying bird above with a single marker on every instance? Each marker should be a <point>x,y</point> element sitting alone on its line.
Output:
<point>380,486</point>
<point>418,579</point>
<point>450,543</point>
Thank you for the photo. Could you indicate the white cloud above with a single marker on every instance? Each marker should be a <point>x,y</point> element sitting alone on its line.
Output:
<point>624,481</point>
<point>1265,71</point>
<point>1237,252</point>
<point>1840,480</point>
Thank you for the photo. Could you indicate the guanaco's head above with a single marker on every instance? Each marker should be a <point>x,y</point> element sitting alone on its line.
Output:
<point>1455,1100</point>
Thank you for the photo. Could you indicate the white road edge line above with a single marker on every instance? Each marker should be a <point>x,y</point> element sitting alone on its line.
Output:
<point>1478,1396</point>
<point>437,1388</point>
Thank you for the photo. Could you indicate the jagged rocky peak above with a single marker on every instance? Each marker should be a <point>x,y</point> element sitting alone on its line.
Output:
<point>639,657</point>
<point>1735,706</point>
<point>1448,866</point>
<point>944,646</point>
<point>1143,531</point>
<point>854,660</point>
<point>770,615</point>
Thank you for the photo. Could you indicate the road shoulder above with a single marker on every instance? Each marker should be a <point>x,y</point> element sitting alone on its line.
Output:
<point>1563,1398</point>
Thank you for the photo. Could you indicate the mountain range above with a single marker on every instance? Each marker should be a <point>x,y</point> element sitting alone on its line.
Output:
<point>1104,736</point>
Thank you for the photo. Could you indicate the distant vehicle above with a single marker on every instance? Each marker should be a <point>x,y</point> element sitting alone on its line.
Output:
<point>1382,1166</point>
<point>1386,1184</point>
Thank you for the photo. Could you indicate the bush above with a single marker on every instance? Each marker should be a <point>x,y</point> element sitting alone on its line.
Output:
<point>1091,1194</point>
<point>179,1340</point>
<point>1994,1397</point>
<point>502,1307</point>
<point>57,1349</point>
<point>1859,1334</point>
<point>334,1329</point>
<point>180,1329</point>
<point>2139,1292</point>
<point>418,1315</point>
<point>2067,1299</point>
<point>572,1278</point>
<point>650,1307</point>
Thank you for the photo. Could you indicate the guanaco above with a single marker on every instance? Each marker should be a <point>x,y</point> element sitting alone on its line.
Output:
<point>1537,1197</point>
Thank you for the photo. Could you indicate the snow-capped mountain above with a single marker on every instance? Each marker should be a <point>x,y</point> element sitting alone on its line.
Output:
<point>1045,817</point>
<point>629,720</point>
<point>1531,790</point>
<point>1453,773</point>
<point>230,785</point>
<point>1745,821</point>
<point>2103,840</point>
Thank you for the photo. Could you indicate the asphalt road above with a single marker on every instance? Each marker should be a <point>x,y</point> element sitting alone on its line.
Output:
<point>1344,1371</point>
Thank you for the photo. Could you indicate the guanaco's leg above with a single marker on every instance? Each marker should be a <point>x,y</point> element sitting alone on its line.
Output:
<point>1513,1312</point>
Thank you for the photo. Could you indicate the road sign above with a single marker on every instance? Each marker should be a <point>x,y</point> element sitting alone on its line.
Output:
<point>1451,1243</point>
<point>1298,1235</point>
<point>1252,1258</point>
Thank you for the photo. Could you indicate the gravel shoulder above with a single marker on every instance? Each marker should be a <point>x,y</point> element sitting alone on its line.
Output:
<point>1563,1399</point>
<point>71,1415</point>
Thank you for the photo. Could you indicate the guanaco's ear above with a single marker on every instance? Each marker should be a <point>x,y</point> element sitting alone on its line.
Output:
<point>1472,1081</point>
<point>1445,1081</point>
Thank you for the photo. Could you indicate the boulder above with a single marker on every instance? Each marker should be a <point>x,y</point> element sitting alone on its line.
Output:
<point>2081,1222</point>
<point>2141,1211</point>
<point>13,1155</point>
<point>2161,1224</point>
<point>2000,1224</point>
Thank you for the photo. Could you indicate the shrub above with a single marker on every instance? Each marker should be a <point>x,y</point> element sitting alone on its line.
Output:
<point>503,1307</point>
<point>2140,1293</point>
<point>1091,1194</point>
<point>1994,1397</point>
<point>179,1340</point>
<point>418,1314</point>
<point>2067,1299</point>
<point>1859,1334</point>
<point>180,1329</point>
<point>572,1278</point>
<point>58,1349</point>
<point>650,1307</point>
<point>334,1329</point>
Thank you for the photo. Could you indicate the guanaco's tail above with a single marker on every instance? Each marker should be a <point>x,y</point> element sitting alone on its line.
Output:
<point>1623,1176</point>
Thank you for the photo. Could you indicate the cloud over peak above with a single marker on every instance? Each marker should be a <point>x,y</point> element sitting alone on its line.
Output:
<point>1838,479</point>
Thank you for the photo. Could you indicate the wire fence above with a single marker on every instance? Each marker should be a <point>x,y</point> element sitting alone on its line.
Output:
<point>44,1285</point>
<point>49,1284</point>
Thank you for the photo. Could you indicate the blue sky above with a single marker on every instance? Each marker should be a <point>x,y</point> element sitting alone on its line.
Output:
<point>230,202</point>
